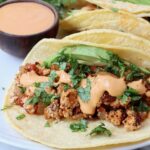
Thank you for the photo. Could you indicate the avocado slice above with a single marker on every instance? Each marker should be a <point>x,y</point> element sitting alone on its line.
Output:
<point>84,54</point>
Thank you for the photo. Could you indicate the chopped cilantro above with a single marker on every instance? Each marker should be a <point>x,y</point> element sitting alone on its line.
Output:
<point>135,72</point>
<point>134,75</point>
<point>52,77</point>
<point>22,89</point>
<point>101,129</point>
<point>47,124</point>
<point>37,84</point>
<point>76,79</point>
<point>61,6</point>
<point>20,117</point>
<point>66,87</point>
<point>124,98</point>
<point>63,65</point>
<point>32,101</point>
<point>84,93</point>
<point>137,102</point>
<point>80,126</point>
<point>114,65</point>
<point>143,107</point>
<point>130,93</point>
<point>41,95</point>
<point>47,99</point>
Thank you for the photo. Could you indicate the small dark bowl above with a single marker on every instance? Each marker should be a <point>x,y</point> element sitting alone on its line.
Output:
<point>20,45</point>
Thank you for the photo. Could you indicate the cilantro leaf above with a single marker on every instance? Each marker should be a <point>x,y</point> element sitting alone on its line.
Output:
<point>20,117</point>
<point>66,87</point>
<point>48,98</point>
<point>41,95</point>
<point>101,129</point>
<point>60,6</point>
<point>32,101</point>
<point>22,89</point>
<point>135,72</point>
<point>130,93</point>
<point>80,126</point>
<point>37,84</point>
<point>84,93</point>
<point>63,65</point>
<point>47,124</point>
<point>143,107</point>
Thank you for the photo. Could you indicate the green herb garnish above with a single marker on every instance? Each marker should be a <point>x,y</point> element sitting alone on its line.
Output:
<point>22,89</point>
<point>62,6</point>
<point>135,73</point>
<point>143,107</point>
<point>41,95</point>
<point>47,124</point>
<point>20,117</point>
<point>130,93</point>
<point>37,84</point>
<point>101,129</point>
<point>66,87</point>
<point>84,93</point>
<point>80,126</point>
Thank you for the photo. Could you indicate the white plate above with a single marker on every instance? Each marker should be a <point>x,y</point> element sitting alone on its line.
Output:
<point>9,65</point>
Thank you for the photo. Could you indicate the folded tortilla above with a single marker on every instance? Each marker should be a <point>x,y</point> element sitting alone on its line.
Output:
<point>59,134</point>
<point>107,19</point>
<point>122,5</point>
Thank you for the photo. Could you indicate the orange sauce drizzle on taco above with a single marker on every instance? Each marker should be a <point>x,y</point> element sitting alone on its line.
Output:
<point>99,84</point>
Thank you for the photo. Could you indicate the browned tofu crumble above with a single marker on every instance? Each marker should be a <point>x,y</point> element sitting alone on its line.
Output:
<point>67,106</point>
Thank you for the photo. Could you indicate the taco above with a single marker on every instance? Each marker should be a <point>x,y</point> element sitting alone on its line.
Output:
<point>107,19</point>
<point>137,7</point>
<point>97,96</point>
<point>111,38</point>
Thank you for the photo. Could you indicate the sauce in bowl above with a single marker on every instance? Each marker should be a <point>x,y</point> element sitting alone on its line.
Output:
<point>25,18</point>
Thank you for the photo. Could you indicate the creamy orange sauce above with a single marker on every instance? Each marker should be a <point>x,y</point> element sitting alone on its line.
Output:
<point>25,18</point>
<point>63,77</point>
<point>138,86</point>
<point>30,78</point>
<point>99,84</point>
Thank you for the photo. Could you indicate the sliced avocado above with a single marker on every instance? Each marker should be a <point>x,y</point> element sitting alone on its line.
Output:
<point>83,53</point>
<point>88,54</point>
